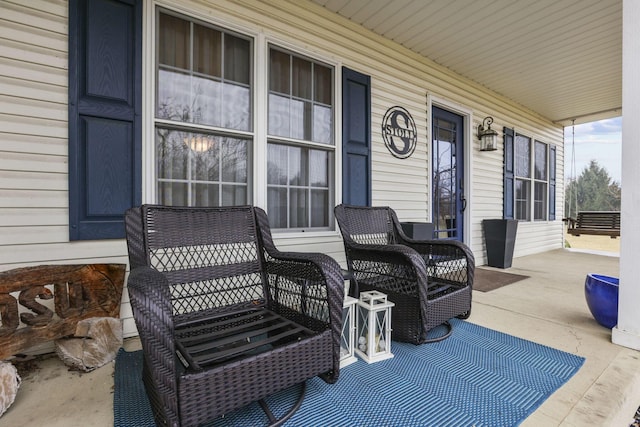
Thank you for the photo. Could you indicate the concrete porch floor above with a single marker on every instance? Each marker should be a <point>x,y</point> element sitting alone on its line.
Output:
<point>547,308</point>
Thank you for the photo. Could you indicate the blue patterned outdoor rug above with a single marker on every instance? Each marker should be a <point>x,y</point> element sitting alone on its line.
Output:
<point>476,377</point>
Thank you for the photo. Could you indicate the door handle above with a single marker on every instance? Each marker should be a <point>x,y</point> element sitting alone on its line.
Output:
<point>463,199</point>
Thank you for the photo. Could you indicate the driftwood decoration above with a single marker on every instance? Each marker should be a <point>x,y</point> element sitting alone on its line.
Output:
<point>78,292</point>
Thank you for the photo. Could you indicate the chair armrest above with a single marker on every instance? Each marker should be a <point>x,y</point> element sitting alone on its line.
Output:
<point>306,271</point>
<point>436,252</point>
<point>390,254</point>
<point>152,312</point>
<point>442,248</point>
<point>303,267</point>
<point>394,264</point>
<point>151,302</point>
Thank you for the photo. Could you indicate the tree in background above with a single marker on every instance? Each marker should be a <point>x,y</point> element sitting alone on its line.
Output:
<point>594,191</point>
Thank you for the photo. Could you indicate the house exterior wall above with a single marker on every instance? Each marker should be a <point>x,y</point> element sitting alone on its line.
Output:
<point>34,145</point>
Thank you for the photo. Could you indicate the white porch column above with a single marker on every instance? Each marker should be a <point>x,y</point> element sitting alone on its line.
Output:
<point>627,333</point>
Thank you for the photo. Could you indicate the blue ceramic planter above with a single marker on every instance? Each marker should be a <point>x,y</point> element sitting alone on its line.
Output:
<point>601,293</point>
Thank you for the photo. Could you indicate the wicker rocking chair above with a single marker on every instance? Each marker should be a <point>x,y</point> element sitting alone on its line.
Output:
<point>225,319</point>
<point>430,281</point>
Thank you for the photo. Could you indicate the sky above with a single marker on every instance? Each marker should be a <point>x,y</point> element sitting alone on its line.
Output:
<point>600,141</point>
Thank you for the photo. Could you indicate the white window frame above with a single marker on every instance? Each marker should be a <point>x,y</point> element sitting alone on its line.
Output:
<point>261,39</point>
<point>216,131</point>
<point>537,181</point>
<point>531,179</point>
<point>308,144</point>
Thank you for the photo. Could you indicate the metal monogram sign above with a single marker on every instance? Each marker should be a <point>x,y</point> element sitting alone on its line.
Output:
<point>399,132</point>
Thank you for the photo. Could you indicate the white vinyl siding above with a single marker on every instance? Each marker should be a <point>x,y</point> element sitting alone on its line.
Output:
<point>34,110</point>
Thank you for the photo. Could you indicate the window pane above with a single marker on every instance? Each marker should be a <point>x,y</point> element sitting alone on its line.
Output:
<point>174,98</point>
<point>207,51</point>
<point>277,207</point>
<point>298,166</point>
<point>173,193</point>
<point>523,197</point>
<point>298,209</point>
<point>206,195</point>
<point>319,208</point>
<point>277,161</point>
<point>206,158</point>
<point>523,156</point>
<point>540,161</point>
<point>237,59</point>
<point>322,124</point>
<point>237,107</point>
<point>173,41</point>
<point>540,201</point>
<point>233,153</point>
<point>300,115</point>
<point>323,86</point>
<point>319,168</point>
<point>234,195</point>
<point>301,78</point>
<point>279,72</point>
<point>279,119</point>
<point>171,154</point>
<point>206,108</point>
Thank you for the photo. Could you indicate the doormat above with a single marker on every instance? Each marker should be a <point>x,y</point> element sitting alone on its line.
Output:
<point>476,377</point>
<point>485,280</point>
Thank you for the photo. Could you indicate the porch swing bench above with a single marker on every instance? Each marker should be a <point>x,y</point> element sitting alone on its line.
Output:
<point>599,223</point>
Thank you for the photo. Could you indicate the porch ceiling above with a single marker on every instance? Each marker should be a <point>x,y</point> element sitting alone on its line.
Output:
<point>560,58</point>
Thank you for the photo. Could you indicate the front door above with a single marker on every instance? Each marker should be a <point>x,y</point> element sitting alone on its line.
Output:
<point>447,181</point>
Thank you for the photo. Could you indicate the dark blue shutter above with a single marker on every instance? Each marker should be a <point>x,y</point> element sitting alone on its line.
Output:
<point>105,138</point>
<point>552,182</point>
<point>509,165</point>
<point>356,138</point>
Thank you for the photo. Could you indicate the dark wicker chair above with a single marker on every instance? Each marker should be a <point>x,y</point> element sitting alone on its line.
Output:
<point>226,319</point>
<point>430,281</point>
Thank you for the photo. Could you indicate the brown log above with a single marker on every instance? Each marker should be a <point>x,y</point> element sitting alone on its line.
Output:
<point>79,292</point>
<point>95,343</point>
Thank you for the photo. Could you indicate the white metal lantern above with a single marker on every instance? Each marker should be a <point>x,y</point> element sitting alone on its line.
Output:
<point>374,327</point>
<point>348,336</point>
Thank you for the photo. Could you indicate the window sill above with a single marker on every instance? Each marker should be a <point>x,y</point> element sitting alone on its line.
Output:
<point>298,234</point>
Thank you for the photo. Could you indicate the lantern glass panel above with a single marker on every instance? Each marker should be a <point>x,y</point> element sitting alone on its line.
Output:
<point>345,337</point>
<point>363,328</point>
<point>381,332</point>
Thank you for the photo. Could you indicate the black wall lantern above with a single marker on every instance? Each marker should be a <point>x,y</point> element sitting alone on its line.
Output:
<point>487,136</point>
